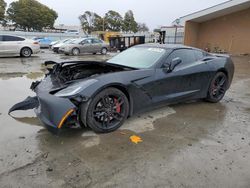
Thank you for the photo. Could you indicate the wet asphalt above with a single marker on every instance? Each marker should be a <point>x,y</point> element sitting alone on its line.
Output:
<point>194,144</point>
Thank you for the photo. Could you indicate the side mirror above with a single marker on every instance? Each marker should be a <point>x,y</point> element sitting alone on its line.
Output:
<point>171,66</point>
<point>176,61</point>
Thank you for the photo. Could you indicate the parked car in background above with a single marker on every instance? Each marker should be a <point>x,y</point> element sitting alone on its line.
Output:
<point>72,32</point>
<point>43,41</point>
<point>17,46</point>
<point>53,43</point>
<point>56,47</point>
<point>85,45</point>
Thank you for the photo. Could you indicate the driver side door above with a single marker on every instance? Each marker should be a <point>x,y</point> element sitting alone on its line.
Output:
<point>182,83</point>
<point>86,46</point>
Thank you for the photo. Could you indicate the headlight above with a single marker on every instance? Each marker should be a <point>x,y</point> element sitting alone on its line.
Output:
<point>75,89</point>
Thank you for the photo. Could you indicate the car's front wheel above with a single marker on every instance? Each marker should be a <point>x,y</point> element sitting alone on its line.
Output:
<point>75,51</point>
<point>107,111</point>
<point>26,52</point>
<point>217,88</point>
<point>104,51</point>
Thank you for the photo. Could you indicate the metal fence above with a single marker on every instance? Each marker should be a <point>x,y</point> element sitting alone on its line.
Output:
<point>174,39</point>
<point>173,34</point>
<point>52,36</point>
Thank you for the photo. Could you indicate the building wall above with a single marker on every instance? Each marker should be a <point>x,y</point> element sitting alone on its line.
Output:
<point>191,33</point>
<point>230,33</point>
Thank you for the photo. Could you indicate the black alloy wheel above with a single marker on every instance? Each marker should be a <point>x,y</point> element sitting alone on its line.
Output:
<point>107,111</point>
<point>217,87</point>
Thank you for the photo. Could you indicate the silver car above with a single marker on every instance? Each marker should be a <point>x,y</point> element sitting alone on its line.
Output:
<point>85,45</point>
<point>17,46</point>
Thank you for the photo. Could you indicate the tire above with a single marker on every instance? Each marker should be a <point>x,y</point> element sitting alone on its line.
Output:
<point>75,51</point>
<point>217,88</point>
<point>94,53</point>
<point>104,51</point>
<point>106,112</point>
<point>26,52</point>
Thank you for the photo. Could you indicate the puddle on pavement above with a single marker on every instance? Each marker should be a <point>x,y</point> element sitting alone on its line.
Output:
<point>18,140</point>
<point>6,76</point>
<point>144,122</point>
<point>13,91</point>
<point>35,75</point>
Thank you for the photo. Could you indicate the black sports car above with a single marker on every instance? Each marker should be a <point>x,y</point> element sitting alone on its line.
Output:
<point>102,95</point>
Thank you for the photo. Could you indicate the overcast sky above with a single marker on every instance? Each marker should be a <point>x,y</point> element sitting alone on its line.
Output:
<point>154,13</point>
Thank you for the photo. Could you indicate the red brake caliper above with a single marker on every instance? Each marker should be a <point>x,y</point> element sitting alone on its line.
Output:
<point>118,106</point>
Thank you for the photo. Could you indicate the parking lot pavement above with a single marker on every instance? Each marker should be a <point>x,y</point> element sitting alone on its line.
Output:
<point>196,144</point>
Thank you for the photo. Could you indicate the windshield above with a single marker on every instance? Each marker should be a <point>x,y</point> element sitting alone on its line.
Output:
<point>138,57</point>
<point>70,41</point>
<point>66,40</point>
<point>77,41</point>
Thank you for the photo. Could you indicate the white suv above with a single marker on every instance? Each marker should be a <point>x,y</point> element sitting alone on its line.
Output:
<point>17,46</point>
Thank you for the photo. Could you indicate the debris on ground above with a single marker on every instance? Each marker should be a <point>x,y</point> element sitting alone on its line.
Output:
<point>135,139</point>
<point>151,117</point>
<point>122,133</point>
<point>21,137</point>
<point>28,151</point>
<point>49,169</point>
<point>33,173</point>
<point>45,155</point>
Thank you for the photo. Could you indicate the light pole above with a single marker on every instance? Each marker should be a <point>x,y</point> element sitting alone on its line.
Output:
<point>103,24</point>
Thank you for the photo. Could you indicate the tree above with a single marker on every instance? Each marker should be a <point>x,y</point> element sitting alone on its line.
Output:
<point>2,10</point>
<point>142,27</point>
<point>31,15</point>
<point>91,21</point>
<point>113,21</point>
<point>129,23</point>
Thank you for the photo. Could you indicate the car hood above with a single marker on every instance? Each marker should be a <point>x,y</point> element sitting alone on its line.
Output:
<point>75,72</point>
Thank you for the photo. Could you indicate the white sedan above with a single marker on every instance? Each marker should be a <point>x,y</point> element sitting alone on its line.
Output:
<point>11,45</point>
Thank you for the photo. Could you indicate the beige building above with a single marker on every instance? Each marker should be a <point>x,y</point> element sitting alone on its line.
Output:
<point>224,27</point>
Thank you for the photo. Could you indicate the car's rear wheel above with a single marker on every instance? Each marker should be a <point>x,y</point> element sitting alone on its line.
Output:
<point>107,111</point>
<point>75,51</point>
<point>217,87</point>
<point>26,52</point>
<point>104,51</point>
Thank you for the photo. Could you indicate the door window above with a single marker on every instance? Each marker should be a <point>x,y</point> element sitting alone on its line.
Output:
<point>199,54</point>
<point>12,38</point>
<point>96,41</point>
<point>88,41</point>
<point>1,38</point>
<point>186,55</point>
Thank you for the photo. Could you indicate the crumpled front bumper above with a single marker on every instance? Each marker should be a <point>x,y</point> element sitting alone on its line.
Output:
<point>51,110</point>
<point>54,111</point>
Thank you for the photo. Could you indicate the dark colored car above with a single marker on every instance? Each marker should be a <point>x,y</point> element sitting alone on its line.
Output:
<point>102,95</point>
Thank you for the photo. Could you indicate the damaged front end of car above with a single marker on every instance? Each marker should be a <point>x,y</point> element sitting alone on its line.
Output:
<point>60,93</point>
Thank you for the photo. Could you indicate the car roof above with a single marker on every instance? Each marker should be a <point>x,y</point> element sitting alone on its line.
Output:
<point>165,46</point>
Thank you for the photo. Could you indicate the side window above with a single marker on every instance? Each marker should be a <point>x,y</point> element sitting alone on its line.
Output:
<point>186,55</point>
<point>12,38</point>
<point>199,54</point>
<point>88,41</point>
<point>96,41</point>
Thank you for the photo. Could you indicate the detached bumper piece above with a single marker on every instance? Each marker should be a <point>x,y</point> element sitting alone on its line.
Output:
<point>27,104</point>
<point>51,110</point>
